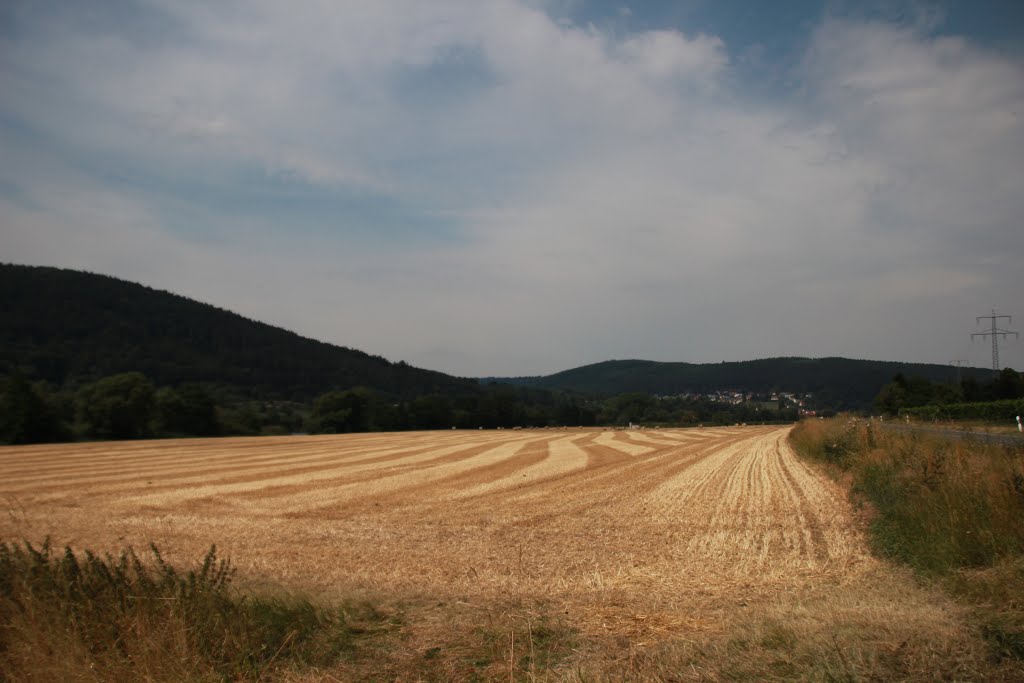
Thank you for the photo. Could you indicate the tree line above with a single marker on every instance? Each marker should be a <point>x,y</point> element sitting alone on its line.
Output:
<point>836,383</point>
<point>131,406</point>
<point>904,393</point>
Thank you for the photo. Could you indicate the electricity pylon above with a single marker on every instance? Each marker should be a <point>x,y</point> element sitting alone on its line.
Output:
<point>995,333</point>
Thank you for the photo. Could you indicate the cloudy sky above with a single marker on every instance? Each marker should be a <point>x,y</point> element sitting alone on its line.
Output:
<point>514,187</point>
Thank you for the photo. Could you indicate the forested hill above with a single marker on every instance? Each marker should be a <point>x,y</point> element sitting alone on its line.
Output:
<point>69,327</point>
<point>836,382</point>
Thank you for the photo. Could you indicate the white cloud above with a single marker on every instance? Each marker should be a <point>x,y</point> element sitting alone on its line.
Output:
<point>614,195</point>
<point>669,55</point>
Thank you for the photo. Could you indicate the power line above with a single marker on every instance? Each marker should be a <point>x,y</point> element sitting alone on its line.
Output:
<point>995,333</point>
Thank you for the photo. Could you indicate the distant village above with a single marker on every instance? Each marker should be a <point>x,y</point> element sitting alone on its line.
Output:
<point>777,401</point>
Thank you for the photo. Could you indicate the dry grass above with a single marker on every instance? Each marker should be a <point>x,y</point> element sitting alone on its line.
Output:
<point>710,554</point>
<point>938,504</point>
<point>951,509</point>
<point>71,617</point>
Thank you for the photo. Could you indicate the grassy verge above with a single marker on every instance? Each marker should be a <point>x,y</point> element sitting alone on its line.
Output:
<point>80,617</point>
<point>973,426</point>
<point>75,617</point>
<point>951,509</point>
<point>1004,412</point>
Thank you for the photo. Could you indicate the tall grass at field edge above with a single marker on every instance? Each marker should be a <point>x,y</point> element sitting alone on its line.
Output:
<point>82,617</point>
<point>951,509</point>
<point>936,504</point>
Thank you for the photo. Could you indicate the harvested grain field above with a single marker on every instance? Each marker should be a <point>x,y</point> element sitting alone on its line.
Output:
<point>686,554</point>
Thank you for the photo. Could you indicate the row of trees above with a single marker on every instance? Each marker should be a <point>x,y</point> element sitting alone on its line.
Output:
<point>903,392</point>
<point>123,406</point>
<point>130,406</point>
<point>505,406</point>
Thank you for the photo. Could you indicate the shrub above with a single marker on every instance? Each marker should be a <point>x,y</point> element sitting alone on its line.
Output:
<point>992,411</point>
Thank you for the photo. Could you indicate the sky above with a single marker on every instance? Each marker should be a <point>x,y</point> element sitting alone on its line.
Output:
<point>518,187</point>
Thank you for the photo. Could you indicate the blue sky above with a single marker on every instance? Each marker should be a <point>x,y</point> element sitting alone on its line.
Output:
<point>520,186</point>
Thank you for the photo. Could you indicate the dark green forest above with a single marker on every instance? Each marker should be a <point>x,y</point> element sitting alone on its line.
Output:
<point>919,396</point>
<point>835,383</point>
<point>70,328</point>
<point>86,356</point>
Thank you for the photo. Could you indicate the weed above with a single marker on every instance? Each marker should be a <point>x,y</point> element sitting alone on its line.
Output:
<point>938,505</point>
<point>952,510</point>
<point>85,617</point>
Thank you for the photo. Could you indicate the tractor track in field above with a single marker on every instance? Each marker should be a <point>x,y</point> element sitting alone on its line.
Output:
<point>643,535</point>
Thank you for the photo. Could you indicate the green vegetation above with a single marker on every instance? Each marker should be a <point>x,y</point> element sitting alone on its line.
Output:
<point>919,396</point>
<point>27,415</point>
<point>68,617</point>
<point>188,410</point>
<point>972,404</point>
<point>836,383</point>
<point>69,329</point>
<point>1004,412</point>
<point>79,617</point>
<point>951,509</point>
<point>937,504</point>
<point>86,356</point>
<point>63,330</point>
<point>129,406</point>
<point>117,407</point>
<point>641,408</point>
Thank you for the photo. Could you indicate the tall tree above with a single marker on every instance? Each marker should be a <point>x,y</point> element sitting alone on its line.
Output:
<point>337,412</point>
<point>117,407</point>
<point>26,416</point>
<point>188,410</point>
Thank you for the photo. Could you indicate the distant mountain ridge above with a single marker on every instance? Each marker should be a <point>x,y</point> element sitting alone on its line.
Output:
<point>839,382</point>
<point>71,327</point>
